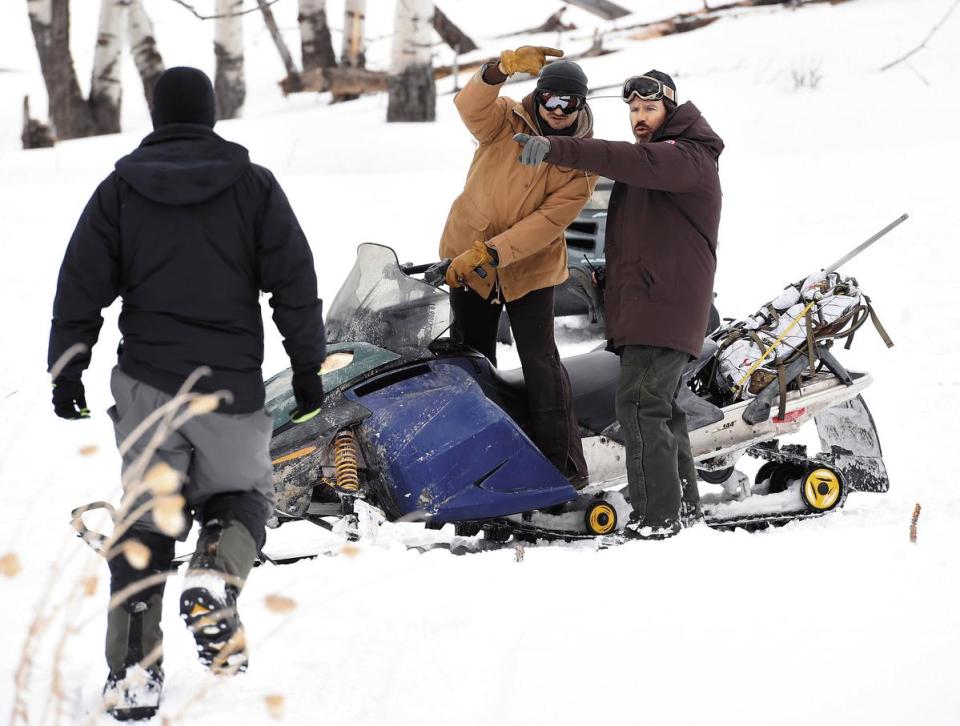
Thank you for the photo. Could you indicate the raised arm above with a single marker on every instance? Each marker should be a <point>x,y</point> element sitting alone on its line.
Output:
<point>483,112</point>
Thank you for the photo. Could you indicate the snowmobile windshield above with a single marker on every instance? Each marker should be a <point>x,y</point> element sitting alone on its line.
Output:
<point>382,305</point>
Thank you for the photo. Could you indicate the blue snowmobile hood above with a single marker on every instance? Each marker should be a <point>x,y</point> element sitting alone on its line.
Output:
<point>181,164</point>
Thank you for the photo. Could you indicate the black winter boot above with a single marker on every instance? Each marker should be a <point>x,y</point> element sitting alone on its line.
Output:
<point>134,639</point>
<point>635,529</point>
<point>225,555</point>
<point>133,693</point>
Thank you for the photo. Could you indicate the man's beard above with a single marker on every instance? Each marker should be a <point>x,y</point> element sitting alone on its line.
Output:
<point>641,134</point>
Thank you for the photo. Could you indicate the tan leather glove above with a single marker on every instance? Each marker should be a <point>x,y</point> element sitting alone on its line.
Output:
<point>527,59</point>
<point>473,269</point>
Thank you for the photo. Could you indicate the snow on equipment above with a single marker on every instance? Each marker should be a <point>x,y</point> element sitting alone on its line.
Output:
<point>416,427</point>
<point>757,351</point>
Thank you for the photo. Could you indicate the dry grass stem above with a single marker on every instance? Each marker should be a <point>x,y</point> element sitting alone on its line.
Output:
<point>350,550</point>
<point>204,404</point>
<point>136,553</point>
<point>90,586</point>
<point>10,564</point>
<point>275,705</point>
<point>913,523</point>
<point>168,514</point>
<point>74,350</point>
<point>160,484</point>
<point>280,603</point>
<point>137,587</point>
<point>162,479</point>
<point>201,693</point>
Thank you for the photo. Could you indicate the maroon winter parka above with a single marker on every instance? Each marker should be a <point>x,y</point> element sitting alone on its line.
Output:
<point>662,222</point>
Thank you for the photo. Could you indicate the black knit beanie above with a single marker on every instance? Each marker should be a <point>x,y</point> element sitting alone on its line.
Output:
<point>183,95</point>
<point>667,81</point>
<point>563,76</point>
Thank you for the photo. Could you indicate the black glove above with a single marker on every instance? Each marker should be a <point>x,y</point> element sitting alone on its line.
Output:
<point>308,390</point>
<point>69,399</point>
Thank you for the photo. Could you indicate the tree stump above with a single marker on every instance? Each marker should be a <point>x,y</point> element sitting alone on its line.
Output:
<point>413,95</point>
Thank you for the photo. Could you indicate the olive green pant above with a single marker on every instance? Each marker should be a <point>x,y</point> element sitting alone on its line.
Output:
<point>660,468</point>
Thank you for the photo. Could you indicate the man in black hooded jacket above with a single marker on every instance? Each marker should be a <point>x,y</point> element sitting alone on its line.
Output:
<point>187,231</point>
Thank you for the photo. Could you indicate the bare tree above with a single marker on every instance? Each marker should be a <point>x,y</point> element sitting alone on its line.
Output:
<point>69,112</point>
<point>413,93</point>
<point>106,85</point>
<point>354,51</point>
<point>143,46</point>
<point>229,84</point>
<point>293,80</point>
<point>315,45</point>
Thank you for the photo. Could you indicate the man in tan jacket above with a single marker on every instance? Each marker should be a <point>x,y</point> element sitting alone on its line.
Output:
<point>504,234</point>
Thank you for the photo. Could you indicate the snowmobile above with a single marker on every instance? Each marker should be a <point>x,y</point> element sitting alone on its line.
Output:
<point>420,428</point>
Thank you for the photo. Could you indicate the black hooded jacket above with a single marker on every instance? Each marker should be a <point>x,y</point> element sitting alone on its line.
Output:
<point>187,231</point>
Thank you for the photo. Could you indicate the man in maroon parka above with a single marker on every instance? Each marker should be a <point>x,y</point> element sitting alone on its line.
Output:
<point>661,245</point>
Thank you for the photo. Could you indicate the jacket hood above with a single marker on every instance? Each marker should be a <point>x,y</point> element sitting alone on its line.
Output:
<point>182,164</point>
<point>686,122</point>
<point>527,110</point>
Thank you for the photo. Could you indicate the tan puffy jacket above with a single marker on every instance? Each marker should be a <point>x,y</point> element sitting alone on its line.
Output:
<point>519,210</point>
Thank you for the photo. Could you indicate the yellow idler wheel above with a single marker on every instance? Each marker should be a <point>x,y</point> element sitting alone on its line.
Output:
<point>822,489</point>
<point>601,518</point>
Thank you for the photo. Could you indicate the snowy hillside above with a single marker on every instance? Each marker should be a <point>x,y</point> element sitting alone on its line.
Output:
<point>838,620</point>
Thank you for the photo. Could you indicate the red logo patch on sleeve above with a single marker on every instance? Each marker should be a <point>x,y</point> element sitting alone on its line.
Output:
<point>670,141</point>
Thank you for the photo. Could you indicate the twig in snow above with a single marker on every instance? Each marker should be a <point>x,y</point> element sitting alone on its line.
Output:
<point>919,74</point>
<point>923,45</point>
<point>913,523</point>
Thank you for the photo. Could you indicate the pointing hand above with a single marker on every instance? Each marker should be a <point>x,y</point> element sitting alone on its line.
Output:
<point>527,59</point>
<point>535,149</point>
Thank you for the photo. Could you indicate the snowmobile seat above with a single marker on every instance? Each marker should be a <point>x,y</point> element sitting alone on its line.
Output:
<point>593,380</point>
<point>594,377</point>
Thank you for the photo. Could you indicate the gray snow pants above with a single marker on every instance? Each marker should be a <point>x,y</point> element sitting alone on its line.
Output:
<point>217,453</point>
<point>228,480</point>
<point>660,467</point>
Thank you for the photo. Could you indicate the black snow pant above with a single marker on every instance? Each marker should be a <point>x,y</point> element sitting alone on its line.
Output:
<point>660,467</point>
<point>554,425</point>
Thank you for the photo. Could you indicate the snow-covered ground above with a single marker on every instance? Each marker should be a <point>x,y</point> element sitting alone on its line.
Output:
<point>838,620</point>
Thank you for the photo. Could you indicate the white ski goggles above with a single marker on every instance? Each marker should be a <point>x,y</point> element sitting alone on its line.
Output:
<point>566,102</point>
<point>646,89</point>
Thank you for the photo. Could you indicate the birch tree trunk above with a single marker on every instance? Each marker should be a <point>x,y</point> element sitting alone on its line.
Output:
<point>106,85</point>
<point>315,44</point>
<point>143,46</point>
<point>413,93</point>
<point>354,51</point>
<point>69,113</point>
<point>229,85</point>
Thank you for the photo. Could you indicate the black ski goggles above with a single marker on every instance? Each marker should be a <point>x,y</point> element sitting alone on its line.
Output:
<point>566,102</point>
<point>646,89</point>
